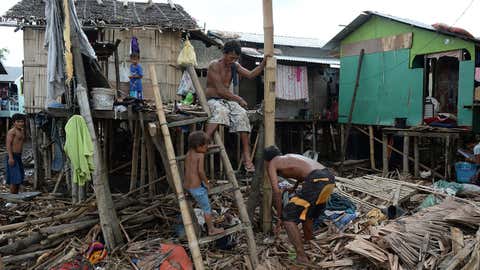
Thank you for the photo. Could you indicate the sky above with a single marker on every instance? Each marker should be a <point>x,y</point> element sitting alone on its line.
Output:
<point>299,18</point>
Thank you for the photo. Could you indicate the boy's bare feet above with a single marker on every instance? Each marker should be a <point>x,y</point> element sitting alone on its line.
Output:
<point>215,231</point>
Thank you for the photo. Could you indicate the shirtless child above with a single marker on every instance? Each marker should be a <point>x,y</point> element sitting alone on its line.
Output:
<point>196,181</point>
<point>14,142</point>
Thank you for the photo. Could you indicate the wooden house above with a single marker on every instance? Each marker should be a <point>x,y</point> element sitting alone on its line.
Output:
<point>404,63</point>
<point>410,74</point>
<point>158,27</point>
<point>307,105</point>
<point>11,94</point>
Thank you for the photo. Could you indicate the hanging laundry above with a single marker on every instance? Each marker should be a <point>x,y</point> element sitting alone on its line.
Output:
<point>79,149</point>
<point>291,83</point>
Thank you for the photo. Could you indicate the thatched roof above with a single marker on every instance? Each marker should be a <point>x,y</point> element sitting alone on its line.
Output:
<point>110,13</point>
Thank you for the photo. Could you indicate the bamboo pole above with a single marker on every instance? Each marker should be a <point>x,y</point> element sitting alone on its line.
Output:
<point>172,163</point>
<point>108,216</point>
<point>134,170</point>
<point>252,247</point>
<point>143,161</point>
<point>269,109</point>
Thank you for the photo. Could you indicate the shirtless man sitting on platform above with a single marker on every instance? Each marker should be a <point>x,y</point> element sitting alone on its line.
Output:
<point>226,107</point>
<point>307,204</point>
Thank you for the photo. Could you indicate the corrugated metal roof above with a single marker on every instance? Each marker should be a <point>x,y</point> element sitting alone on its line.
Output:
<point>325,61</point>
<point>277,40</point>
<point>334,43</point>
<point>13,73</point>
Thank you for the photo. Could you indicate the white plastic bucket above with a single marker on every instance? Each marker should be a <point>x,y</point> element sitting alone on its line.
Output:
<point>102,98</point>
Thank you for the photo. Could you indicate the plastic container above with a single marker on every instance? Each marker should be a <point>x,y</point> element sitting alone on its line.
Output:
<point>465,171</point>
<point>102,98</point>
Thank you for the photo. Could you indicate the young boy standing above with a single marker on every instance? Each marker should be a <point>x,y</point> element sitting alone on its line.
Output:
<point>136,75</point>
<point>14,167</point>
<point>196,181</point>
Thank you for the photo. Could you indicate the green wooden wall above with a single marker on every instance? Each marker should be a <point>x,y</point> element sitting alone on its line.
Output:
<point>424,41</point>
<point>388,89</point>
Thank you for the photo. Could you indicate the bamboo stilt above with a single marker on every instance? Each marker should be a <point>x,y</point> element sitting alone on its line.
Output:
<point>372,147</point>
<point>143,162</point>
<point>269,109</point>
<point>134,170</point>
<point>152,175</point>
<point>406,147</point>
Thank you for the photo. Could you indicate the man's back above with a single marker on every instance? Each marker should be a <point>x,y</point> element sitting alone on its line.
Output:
<point>295,166</point>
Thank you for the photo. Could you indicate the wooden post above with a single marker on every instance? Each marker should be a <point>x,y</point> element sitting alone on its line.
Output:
<point>106,210</point>
<point>172,162</point>
<point>385,144</point>
<point>385,154</point>
<point>447,158</point>
<point>342,136</point>
<point>352,107</point>
<point>46,161</point>
<point>406,148</point>
<point>254,197</point>
<point>152,175</point>
<point>416,156</point>
<point>221,130</point>
<point>82,192</point>
<point>372,147</point>
<point>252,247</point>
<point>143,162</point>
<point>36,167</point>
<point>135,146</point>
<point>269,107</point>
<point>117,68</point>
<point>160,145</point>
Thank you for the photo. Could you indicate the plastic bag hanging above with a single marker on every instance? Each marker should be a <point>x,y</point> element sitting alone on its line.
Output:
<point>187,55</point>
<point>186,85</point>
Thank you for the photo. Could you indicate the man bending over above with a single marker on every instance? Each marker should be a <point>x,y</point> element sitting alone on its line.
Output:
<point>317,186</point>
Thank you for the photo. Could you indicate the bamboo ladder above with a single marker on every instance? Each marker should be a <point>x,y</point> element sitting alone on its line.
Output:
<point>193,241</point>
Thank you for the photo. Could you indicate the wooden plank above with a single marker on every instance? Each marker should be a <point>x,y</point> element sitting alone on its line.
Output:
<point>220,189</point>
<point>211,238</point>
<point>390,43</point>
<point>457,240</point>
